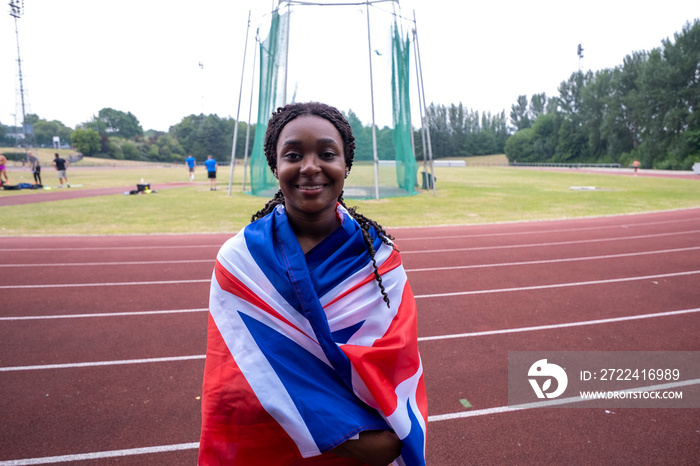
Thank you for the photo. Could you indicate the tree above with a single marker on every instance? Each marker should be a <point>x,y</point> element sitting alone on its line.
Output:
<point>110,122</point>
<point>169,148</point>
<point>519,146</point>
<point>519,117</point>
<point>439,133</point>
<point>682,78</point>
<point>130,151</point>
<point>44,132</point>
<point>571,144</point>
<point>538,105</point>
<point>363,137</point>
<point>648,109</point>
<point>86,141</point>
<point>202,135</point>
<point>545,136</point>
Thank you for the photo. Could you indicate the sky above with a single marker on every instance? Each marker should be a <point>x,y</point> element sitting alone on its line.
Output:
<point>163,60</point>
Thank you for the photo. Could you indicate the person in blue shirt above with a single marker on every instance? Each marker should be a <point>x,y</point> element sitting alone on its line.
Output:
<point>190,166</point>
<point>210,163</point>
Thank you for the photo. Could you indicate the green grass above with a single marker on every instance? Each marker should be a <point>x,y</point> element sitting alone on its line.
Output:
<point>465,195</point>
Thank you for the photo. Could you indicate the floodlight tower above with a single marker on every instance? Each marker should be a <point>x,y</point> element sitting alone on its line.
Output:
<point>16,11</point>
<point>579,52</point>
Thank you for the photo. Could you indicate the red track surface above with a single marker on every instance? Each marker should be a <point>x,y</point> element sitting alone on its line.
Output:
<point>108,301</point>
<point>31,196</point>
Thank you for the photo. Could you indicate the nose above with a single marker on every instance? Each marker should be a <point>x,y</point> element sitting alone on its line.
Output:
<point>309,164</point>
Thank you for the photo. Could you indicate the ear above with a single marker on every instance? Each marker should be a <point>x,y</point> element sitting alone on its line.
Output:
<point>274,173</point>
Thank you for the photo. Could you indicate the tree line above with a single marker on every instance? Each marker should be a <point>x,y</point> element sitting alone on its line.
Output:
<point>646,109</point>
<point>113,134</point>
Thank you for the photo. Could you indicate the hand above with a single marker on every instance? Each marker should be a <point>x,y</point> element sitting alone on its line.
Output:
<point>374,447</point>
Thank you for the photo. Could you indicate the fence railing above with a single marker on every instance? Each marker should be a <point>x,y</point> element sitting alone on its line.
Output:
<point>567,165</point>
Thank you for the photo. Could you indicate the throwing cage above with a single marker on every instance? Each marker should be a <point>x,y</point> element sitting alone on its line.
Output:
<point>379,171</point>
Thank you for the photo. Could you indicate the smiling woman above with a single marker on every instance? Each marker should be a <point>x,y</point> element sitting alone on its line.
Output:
<point>312,324</point>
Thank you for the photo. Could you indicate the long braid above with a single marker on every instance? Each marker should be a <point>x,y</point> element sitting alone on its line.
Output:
<point>365,225</point>
<point>270,206</point>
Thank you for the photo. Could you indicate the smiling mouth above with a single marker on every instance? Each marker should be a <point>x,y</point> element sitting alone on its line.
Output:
<point>310,187</point>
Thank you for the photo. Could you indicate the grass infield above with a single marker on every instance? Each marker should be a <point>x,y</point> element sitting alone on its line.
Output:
<point>481,192</point>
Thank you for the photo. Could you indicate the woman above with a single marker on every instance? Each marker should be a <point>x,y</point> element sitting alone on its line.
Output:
<point>312,353</point>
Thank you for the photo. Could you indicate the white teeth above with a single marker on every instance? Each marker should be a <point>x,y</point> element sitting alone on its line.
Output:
<point>311,188</point>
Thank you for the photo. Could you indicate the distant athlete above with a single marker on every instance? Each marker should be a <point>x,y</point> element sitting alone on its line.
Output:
<point>35,167</point>
<point>190,166</point>
<point>3,170</point>
<point>61,167</point>
<point>210,163</point>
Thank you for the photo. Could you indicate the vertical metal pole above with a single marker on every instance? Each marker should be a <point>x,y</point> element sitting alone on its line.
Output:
<point>371,91</point>
<point>15,13</point>
<point>420,106</point>
<point>238,112</point>
<point>250,110</point>
<point>420,68</point>
<point>286,58</point>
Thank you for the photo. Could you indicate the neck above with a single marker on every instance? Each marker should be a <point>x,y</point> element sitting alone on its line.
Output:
<point>312,229</point>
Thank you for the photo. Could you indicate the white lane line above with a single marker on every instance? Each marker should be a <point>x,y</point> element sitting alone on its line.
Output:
<point>431,269</point>
<point>554,261</point>
<point>538,328</point>
<point>81,285</point>
<point>558,285</point>
<point>556,243</point>
<point>101,264</point>
<point>621,226</point>
<point>424,269</point>
<point>99,363</point>
<point>403,252</point>
<point>101,454</point>
<point>104,314</point>
<point>439,337</point>
<point>551,403</point>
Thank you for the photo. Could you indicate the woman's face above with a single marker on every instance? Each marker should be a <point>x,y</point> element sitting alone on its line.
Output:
<point>310,166</point>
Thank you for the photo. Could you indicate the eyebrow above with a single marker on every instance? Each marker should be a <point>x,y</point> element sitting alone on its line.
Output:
<point>319,140</point>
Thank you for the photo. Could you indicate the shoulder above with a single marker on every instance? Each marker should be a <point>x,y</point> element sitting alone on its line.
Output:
<point>233,246</point>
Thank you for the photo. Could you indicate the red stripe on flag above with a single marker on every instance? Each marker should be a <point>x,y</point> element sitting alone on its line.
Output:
<point>235,426</point>
<point>391,262</point>
<point>229,283</point>
<point>392,358</point>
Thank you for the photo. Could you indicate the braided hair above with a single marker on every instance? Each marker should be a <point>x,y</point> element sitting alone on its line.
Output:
<point>279,119</point>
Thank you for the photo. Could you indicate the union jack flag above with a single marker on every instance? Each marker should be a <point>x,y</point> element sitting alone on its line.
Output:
<point>303,353</point>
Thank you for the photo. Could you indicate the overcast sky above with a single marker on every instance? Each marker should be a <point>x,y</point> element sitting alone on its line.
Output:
<point>143,56</point>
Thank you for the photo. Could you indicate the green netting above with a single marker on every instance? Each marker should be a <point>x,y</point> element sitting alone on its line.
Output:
<point>406,167</point>
<point>273,53</point>
<point>396,176</point>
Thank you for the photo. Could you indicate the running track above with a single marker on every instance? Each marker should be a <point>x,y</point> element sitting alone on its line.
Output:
<point>102,339</point>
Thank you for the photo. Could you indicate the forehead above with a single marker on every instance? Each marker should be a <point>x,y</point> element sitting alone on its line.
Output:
<point>309,127</point>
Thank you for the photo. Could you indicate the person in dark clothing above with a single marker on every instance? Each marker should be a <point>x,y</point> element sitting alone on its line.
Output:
<point>35,167</point>
<point>61,167</point>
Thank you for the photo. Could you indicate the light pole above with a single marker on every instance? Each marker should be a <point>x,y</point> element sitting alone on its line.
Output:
<point>16,12</point>
<point>579,52</point>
